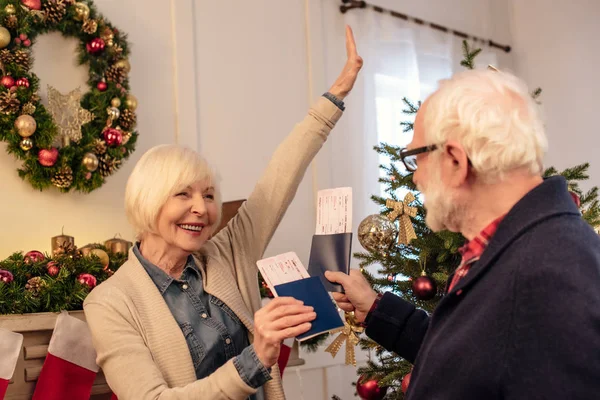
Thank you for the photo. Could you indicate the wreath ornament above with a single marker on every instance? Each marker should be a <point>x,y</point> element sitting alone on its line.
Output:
<point>80,138</point>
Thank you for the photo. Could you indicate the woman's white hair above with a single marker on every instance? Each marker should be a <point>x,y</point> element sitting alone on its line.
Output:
<point>163,171</point>
<point>494,117</point>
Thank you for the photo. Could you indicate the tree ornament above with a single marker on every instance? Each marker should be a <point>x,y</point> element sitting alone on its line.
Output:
<point>90,162</point>
<point>6,276</point>
<point>88,280</point>
<point>48,157</point>
<point>22,82</point>
<point>350,335</point>
<point>54,11</point>
<point>4,37</point>
<point>108,165</point>
<point>32,4</point>
<point>26,144</point>
<point>128,120</point>
<point>25,125</point>
<point>9,104</point>
<point>11,21</point>
<point>116,102</point>
<point>370,389</point>
<point>95,46</point>
<point>123,64</point>
<point>112,137</point>
<point>34,256</point>
<point>102,86</point>
<point>103,256</point>
<point>576,199</point>
<point>68,114</point>
<point>6,57</point>
<point>99,146</point>
<point>63,178</point>
<point>35,285</point>
<point>113,113</point>
<point>7,81</point>
<point>90,26</point>
<point>52,268</point>
<point>424,287</point>
<point>22,59</point>
<point>131,102</point>
<point>27,43</point>
<point>82,11</point>
<point>376,233</point>
<point>405,383</point>
<point>10,9</point>
<point>108,36</point>
<point>28,109</point>
<point>116,74</point>
<point>402,211</point>
<point>88,176</point>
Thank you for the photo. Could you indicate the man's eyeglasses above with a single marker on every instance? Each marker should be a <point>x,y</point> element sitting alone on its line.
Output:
<point>409,157</point>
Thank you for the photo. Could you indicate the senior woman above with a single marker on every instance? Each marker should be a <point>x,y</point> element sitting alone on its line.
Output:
<point>182,318</point>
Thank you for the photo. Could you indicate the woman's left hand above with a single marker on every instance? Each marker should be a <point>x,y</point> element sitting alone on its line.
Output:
<point>345,82</point>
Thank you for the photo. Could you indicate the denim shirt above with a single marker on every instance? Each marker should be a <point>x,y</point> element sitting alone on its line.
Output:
<point>213,333</point>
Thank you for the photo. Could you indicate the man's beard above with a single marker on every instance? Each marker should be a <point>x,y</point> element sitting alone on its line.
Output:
<point>443,211</point>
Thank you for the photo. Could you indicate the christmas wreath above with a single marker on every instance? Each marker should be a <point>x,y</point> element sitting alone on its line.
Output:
<point>80,138</point>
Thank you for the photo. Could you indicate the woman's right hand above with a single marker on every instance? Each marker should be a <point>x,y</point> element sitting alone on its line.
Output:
<point>282,318</point>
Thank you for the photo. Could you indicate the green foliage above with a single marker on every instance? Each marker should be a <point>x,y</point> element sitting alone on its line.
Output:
<point>96,101</point>
<point>60,292</point>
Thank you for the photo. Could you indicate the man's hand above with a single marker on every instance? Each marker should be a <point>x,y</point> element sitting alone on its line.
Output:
<point>359,296</point>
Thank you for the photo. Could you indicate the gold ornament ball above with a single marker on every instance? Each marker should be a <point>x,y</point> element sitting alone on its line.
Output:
<point>25,125</point>
<point>131,102</point>
<point>10,9</point>
<point>4,37</point>
<point>124,63</point>
<point>113,112</point>
<point>116,102</point>
<point>90,162</point>
<point>26,144</point>
<point>102,255</point>
<point>82,11</point>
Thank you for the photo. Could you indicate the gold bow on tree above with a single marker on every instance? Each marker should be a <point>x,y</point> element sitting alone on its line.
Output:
<point>402,210</point>
<point>349,334</point>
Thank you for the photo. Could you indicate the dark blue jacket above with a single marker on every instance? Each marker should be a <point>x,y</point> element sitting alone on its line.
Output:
<point>527,322</point>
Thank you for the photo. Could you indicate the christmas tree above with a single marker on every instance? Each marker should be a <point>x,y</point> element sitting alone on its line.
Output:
<point>417,271</point>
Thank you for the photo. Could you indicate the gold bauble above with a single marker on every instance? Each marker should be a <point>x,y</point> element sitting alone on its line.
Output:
<point>113,113</point>
<point>103,256</point>
<point>116,102</point>
<point>124,64</point>
<point>82,11</point>
<point>10,9</point>
<point>25,125</point>
<point>131,102</point>
<point>26,144</point>
<point>4,37</point>
<point>90,162</point>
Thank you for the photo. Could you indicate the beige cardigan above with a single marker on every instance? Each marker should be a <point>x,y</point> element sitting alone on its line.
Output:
<point>140,347</point>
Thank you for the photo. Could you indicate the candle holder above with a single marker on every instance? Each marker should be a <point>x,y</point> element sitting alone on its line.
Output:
<point>118,245</point>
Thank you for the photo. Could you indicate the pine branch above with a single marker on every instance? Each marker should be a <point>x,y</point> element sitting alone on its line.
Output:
<point>469,55</point>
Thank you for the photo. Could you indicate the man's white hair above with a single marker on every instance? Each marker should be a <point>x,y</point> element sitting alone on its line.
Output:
<point>163,171</point>
<point>494,117</point>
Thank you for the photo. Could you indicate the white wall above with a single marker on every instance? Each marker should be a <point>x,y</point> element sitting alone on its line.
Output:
<point>30,218</point>
<point>556,48</point>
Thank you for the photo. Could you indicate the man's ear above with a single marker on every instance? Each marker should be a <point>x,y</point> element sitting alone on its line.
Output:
<point>457,165</point>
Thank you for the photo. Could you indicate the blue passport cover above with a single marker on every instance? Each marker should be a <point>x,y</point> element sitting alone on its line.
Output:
<point>312,292</point>
<point>330,253</point>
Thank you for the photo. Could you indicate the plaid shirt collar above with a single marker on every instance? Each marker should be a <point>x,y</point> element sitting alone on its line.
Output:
<point>474,248</point>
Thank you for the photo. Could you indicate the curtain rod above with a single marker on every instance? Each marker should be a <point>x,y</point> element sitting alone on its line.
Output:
<point>352,4</point>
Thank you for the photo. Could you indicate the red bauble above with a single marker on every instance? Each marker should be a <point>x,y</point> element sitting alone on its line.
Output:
<point>113,137</point>
<point>424,288</point>
<point>48,157</point>
<point>32,4</point>
<point>405,382</point>
<point>23,36</point>
<point>370,390</point>
<point>23,82</point>
<point>576,199</point>
<point>52,268</point>
<point>26,42</point>
<point>6,276</point>
<point>34,256</point>
<point>87,280</point>
<point>7,81</point>
<point>95,46</point>
<point>102,86</point>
